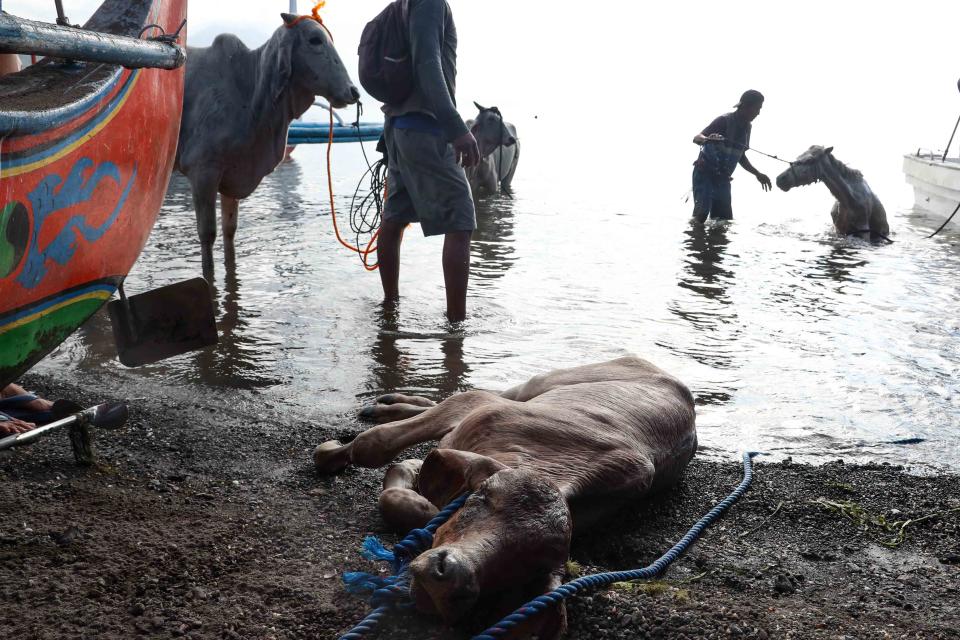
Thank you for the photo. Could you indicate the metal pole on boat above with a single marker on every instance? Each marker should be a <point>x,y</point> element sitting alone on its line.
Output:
<point>944,158</point>
<point>62,19</point>
<point>18,35</point>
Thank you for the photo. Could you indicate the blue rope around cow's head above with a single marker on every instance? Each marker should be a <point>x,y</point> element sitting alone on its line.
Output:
<point>537,605</point>
<point>392,591</point>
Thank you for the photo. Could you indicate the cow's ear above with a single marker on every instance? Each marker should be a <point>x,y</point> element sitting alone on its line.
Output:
<point>510,141</point>
<point>288,18</point>
<point>478,106</point>
<point>828,150</point>
<point>446,473</point>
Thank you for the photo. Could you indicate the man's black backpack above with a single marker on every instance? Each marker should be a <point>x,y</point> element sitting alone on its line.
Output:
<point>386,67</point>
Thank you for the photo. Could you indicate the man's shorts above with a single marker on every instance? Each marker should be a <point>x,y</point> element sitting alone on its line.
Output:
<point>711,196</point>
<point>425,184</point>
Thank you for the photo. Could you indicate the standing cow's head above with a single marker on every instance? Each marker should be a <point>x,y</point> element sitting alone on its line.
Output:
<point>490,130</point>
<point>307,60</point>
<point>511,535</point>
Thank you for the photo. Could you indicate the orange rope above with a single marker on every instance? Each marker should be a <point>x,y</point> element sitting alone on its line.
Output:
<point>314,15</point>
<point>364,253</point>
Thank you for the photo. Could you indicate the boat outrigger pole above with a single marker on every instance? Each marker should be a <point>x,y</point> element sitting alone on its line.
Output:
<point>18,35</point>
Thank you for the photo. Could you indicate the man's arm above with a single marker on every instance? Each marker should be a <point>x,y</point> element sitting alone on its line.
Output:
<point>762,178</point>
<point>426,40</point>
<point>713,131</point>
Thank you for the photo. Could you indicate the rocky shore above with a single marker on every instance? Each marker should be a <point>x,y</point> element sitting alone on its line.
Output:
<point>203,522</point>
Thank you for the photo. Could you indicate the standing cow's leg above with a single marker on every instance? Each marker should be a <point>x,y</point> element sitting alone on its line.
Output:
<point>204,189</point>
<point>379,445</point>
<point>401,506</point>
<point>228,218</point>
<point>508,179</point>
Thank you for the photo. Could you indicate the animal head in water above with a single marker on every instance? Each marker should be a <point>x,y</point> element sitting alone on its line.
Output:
<point>806,169</point>
<point>490,130</point>
<point>307,59</point>
<point>512,533</point>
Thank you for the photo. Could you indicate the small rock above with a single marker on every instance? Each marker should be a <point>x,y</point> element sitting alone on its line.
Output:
<point>783,585</point>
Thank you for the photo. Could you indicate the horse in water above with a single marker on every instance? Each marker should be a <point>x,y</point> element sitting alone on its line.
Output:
<point>857,210</point>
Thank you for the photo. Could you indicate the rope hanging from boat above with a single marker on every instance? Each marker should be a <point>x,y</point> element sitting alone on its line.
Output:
<point>946,222</point>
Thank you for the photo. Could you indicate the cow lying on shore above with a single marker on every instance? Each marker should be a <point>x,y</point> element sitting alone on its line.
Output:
<point>499,152</point>
<point>237,107</point>
<point>544,460</point>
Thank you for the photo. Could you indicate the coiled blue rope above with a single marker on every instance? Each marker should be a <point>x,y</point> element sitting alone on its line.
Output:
<point>569,589</point>
<point>393,591</point>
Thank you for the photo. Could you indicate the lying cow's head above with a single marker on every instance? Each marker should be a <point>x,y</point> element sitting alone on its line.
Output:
<point>490,131</point>
<point>307,60</point>
<point>806,169</point>
<point>513,530</point>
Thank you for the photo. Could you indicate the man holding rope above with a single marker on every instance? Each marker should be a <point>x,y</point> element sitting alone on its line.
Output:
<point>722,147</point>
<point>428,145</point>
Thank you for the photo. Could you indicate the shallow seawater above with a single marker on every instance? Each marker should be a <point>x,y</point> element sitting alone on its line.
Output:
<point>794,342</point>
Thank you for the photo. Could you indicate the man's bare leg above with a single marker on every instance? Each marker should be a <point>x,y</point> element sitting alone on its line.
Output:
<point>388,257</point>
<point>456,272</point>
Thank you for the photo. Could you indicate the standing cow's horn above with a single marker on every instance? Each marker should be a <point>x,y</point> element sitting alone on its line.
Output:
<point>288,18</point>
<point>478,106</point>
<point>828,150</point>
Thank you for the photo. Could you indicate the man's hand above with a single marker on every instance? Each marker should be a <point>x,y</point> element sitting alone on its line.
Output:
<point>715,137</point>
<point>466,151</point>
<point>764,181</point>
<point>11,426</point>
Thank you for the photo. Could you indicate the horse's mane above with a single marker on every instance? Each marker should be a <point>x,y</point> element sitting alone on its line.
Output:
<point>845,171</point>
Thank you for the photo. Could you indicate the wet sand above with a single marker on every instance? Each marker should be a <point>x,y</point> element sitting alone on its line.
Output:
<point>206,523</point>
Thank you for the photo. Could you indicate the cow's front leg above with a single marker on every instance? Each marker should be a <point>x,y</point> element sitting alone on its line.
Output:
<point>401,506</point>
<point>395,406</point>
<point>204,188</point>
<point>379,445</point>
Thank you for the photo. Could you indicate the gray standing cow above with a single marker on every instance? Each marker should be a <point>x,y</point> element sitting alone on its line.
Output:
<point>237,107</point>
<point>499,152</point>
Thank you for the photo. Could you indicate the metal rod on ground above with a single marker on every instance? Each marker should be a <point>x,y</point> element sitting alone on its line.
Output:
<point>18,35</point>
<point>109,415</point>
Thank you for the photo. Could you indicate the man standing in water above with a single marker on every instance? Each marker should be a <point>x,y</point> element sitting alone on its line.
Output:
<point>722,147</point>
<point>428,145</point>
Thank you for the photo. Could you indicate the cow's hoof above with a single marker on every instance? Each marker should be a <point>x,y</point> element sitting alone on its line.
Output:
<point>331,457</point>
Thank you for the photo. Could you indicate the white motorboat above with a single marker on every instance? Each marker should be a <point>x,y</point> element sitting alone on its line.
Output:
<point>936,184</point>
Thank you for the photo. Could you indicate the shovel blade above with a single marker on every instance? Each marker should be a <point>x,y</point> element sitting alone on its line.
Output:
<point>163,322</point>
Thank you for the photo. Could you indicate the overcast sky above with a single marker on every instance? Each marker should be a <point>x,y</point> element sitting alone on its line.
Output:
<point>873,79</point>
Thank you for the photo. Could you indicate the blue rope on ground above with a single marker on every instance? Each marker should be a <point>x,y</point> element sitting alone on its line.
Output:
<point>392,591</point>
<point>569,589</point>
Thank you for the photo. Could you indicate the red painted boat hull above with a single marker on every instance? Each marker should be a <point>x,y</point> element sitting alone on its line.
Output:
<point>78,199</point>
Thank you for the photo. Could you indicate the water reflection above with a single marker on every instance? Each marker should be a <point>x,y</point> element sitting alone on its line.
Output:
<point>492,246</point>
<point>709,311</point>
<point>408,362</point>
<point>839,263</point>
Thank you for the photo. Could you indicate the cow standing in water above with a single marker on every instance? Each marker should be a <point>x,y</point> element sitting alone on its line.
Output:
<point>499,153</point>
<point>237,107</point>
<point>544,460</point>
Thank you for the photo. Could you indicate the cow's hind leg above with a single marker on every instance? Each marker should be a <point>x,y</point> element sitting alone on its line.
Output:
<point>229,208</point>
<point>395,406</point>
<point>401,506</point>
<point>379,445</point>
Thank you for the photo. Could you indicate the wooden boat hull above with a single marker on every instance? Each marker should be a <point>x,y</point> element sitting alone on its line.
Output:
<point>81,184</point>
